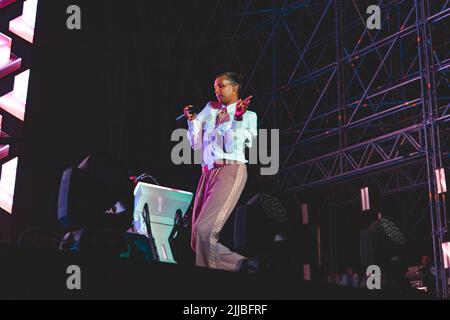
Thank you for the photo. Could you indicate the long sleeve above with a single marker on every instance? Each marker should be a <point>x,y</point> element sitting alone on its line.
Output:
<point>249,129</point>
<point>226,140</point>
<point>195,129</point>
<point>194,134</point>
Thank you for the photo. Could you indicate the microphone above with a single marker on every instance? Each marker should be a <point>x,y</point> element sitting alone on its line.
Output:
<point>191,110</point>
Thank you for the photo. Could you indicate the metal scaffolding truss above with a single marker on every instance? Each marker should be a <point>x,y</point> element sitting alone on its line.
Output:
<point>354,105</point>
<point>354,123</point>
<point>361,158</point>
<point>369,121</point>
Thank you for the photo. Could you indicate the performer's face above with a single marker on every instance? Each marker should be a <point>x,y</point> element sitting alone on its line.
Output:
<point>226,91</point>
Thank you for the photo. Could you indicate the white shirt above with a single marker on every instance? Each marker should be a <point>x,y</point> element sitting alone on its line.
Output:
<point>228,140</point>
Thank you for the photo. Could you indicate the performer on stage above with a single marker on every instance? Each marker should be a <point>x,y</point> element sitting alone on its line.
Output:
<point>222,130</point>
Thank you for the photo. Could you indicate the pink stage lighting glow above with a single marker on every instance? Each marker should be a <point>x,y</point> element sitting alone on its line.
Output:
<point>23,26</point>
<point>4,3</point>
<point>4,149</point>
<point>15,101</point>
<point>5,49</point>
<point>446,253</point>
<point>7,183</point>
<point>8,61</point>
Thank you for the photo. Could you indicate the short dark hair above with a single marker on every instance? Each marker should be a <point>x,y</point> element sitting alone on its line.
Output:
<point>234,78</point>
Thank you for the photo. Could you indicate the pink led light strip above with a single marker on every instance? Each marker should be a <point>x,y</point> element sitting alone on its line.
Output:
<point>15,101</point>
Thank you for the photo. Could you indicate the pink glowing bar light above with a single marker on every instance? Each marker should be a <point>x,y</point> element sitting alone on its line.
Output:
<point>5,50</point>
<point>15,101</point>
<point>446,253</point>
<point>23,26</point>
<point>7,184</point>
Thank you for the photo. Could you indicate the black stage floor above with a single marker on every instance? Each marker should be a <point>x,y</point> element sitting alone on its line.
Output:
<point>40,273</point>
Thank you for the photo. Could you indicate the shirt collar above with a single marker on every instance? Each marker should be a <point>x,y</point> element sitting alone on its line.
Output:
<point>230,108</point>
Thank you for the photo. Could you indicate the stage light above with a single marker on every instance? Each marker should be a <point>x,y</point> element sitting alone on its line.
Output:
<point>271,206</point>
<point>5,49</point>
<point>380,242</point>
<point>441,184</point>
<point>307,272</point>
<point>88,191</point>
<point>258,226</point>
<point>24,25</point>
<point>29,12</point>
<point>305,213</point>
<point>95,207</point>
<point>365,200</point>
<point>446,253</point>
<point>7,184</point>
<point>392,231</point>
<point>15,101</point>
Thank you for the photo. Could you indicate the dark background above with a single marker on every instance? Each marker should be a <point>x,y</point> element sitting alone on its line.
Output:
<point>115,86</point>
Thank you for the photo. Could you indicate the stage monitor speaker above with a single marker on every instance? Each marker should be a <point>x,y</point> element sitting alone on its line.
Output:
<point>87,192</point>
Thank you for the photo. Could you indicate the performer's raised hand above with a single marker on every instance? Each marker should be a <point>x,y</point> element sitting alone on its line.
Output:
<point>242,106</point>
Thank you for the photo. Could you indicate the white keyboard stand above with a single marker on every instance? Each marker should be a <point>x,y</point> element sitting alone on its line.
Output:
<point>163,204</point>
